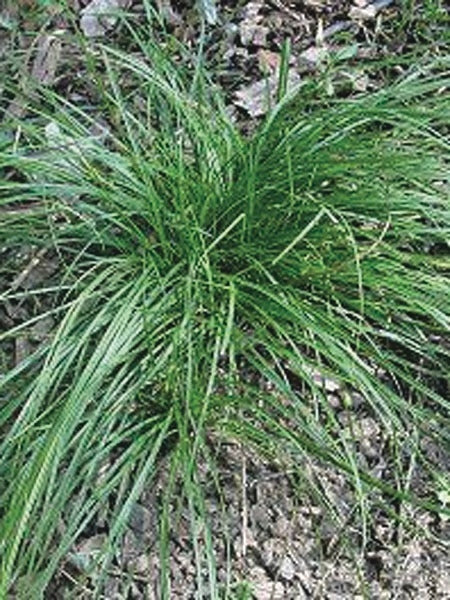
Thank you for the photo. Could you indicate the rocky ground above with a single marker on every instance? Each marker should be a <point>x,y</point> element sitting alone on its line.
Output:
<point>283,541</point>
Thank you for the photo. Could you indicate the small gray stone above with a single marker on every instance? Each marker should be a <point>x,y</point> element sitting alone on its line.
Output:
<point>141,521</point>
<point>264,588</point>
<point>287,569</point>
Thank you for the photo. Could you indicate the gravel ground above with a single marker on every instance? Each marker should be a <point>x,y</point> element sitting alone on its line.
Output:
<point>283,542</point>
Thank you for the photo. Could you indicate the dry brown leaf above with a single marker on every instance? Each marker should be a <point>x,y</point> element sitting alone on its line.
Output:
<point>257,98</point>
<point>98,16</point>
<point>47,58</point>
<point>313,56</point>
<point>361,13</point>
<point>269,62</point>
<point>250,29</point>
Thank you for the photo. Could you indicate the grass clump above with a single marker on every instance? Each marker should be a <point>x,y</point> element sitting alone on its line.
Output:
<point>194,263</point>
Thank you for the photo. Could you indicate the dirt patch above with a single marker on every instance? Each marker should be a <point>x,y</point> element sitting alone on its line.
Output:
<point>274,537</point>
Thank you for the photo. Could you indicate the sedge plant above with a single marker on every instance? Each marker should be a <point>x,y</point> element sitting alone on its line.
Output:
<point>194,264</point>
